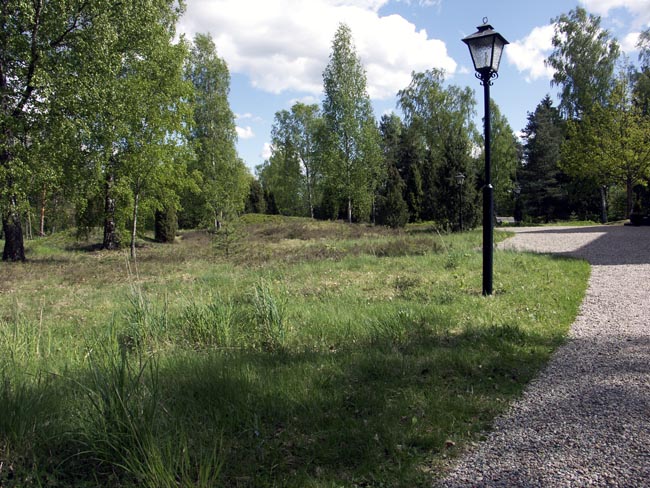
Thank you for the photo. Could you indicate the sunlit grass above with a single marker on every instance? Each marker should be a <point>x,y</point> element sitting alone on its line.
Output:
<point>313,354</point>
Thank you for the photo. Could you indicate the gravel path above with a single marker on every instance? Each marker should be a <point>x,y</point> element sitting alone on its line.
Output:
<point>585,421</point>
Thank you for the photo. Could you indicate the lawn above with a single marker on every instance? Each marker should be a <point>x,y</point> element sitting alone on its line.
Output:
<point>281,352</point>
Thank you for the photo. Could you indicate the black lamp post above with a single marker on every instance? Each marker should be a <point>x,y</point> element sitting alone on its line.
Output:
<point>460,180</point>
<point>486,47</point>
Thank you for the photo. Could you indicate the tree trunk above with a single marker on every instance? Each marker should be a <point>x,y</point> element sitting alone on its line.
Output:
<point>310,193</point>
<point>135,224</point>
<point>218,218</point>
<point>630,196</point>
<point>603,204</point>
<point>41,225</point>
<point>30,231</point>
<point>349,210</point>
<point>111,240</point>
<point>374,210</point>
<point>14,249</point>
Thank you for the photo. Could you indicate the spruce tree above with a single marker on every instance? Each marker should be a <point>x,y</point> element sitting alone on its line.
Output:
<point>543,184</point>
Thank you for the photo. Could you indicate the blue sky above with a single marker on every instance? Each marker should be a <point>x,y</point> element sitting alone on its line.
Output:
<point>277,49</point>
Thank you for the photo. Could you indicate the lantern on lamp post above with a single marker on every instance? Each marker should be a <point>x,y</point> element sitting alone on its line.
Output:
<point>486,47</point>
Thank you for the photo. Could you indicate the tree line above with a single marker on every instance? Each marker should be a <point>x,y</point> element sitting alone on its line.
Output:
<point>590,155</point>
<point>336,161</point>
<point>104,117</point>
<point>106,120</point>
<point>588,158</point>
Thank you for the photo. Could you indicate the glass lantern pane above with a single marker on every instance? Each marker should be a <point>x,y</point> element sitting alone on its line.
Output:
<point>498,51</point>
<point>481,50</point>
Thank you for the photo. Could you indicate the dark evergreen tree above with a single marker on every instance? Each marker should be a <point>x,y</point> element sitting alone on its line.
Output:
<point>543,185</point>
<point>256,202</point>
<point>269,199</point>
<point>441,118</point>
<point>410,164</point>
<point>391,207</point>
<point>166,225</point>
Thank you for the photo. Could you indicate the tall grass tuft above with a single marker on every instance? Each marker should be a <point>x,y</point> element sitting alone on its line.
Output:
<point>27,405</point>
<point>214,324</point>
<point>124,425</point>
<point>269,316</point>
<point>22,339</point>
<point>141,321</point>
<point>122,404</point>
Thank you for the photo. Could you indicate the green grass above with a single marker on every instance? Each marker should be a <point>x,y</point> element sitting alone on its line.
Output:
<point>306,354</point>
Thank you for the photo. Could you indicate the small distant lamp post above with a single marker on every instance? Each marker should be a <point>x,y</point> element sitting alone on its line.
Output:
<point>460,180</point>
<point>518,213</point>
<point>486,47</point>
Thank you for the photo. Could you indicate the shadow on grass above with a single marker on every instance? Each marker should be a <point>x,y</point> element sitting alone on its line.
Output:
<point>358,417</point>
<point>368,414</point>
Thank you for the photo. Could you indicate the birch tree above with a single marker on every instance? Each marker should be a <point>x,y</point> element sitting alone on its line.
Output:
<point>353,154</point>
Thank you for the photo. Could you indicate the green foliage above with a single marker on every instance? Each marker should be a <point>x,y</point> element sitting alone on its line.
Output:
<point>505,161</point>
<point>438,144</point>
<point>584,57</point>
<point>391,207</point>
<point>256,203</point>
<point>293,174</point>
<point>224,179</point>
<point>642,76</point>
<point>543,184</point>
<point>229,237</point>
<point>411,163</point>
<point>351,138</point>
<point>610,144</point>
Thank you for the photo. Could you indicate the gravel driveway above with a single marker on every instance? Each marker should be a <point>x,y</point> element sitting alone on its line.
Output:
<point>585,421</point>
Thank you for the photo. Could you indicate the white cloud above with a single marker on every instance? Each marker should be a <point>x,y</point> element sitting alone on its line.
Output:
<point>639,8</point>
<point>424,3</point>
<point>245,132</point>
<point>284,44</point>
<point>629,42</point>
<point>267,150</point>
<point>307,100</point>
<point>248,116</point>
<point>529,53</point>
